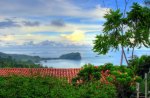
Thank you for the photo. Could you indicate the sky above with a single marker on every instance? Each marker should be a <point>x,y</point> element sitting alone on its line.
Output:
<point>73,22</point>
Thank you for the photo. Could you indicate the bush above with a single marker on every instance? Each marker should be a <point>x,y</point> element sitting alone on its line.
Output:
<point>96,90</point>
<point>89,73</point>
<point>140,66</point>
<point>50,87</point>
<point>122,77</point>
<point>37,87</point>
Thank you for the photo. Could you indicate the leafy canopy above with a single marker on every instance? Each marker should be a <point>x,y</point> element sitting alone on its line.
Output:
<point>139,25</point>
<point>128,32</point>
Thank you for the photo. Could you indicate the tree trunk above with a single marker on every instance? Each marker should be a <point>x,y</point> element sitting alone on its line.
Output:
<point>132,53</point>
<point>125,57</point>
<point>121,60</point>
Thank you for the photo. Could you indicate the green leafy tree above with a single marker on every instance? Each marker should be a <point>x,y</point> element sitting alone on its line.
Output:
<point>139,27</point>
<point>113,35</point>
<point>120,30</point>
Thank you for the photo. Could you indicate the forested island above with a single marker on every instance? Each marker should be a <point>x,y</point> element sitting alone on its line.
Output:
<point>69,56</point>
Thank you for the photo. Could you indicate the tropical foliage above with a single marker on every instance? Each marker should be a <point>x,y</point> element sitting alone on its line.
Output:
<point>9,62</point>
<point>88,74</point>
<point>128,32</point>
<point>141,65</point>
<point>138,22</point>
<point>50,87</point>
<point>121,77</point>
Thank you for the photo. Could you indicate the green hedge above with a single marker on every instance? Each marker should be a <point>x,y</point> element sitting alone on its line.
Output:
<point>49,87</point>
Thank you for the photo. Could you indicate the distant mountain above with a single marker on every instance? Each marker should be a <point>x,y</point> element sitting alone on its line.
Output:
<point>21,57</point>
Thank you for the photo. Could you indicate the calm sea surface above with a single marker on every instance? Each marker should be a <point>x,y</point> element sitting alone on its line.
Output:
<point>92,58</point>
<point>87,56</point>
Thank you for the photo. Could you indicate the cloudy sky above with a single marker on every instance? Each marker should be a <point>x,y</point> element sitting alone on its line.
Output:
<point>62,21</point>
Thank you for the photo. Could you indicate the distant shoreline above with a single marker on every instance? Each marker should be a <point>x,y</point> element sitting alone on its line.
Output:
<point>37,59</point>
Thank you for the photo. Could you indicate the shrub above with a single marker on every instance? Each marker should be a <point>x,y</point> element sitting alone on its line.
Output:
<point>50,87</point>
<point>89,73</point>
<point>140,66</point>
<point>33,87</point>
<point>122,77</point>
<point>96,90</point>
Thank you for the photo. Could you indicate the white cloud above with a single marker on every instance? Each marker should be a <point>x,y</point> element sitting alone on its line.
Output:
<point>26,33</point>
<point>42,8</point>
<point>76,36</point>
<point>8,38</point>
<point>48,8</point>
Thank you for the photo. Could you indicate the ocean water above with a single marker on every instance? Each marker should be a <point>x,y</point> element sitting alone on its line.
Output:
<point>75,63</point>
<point>92,58</point>
<point>88,56</point>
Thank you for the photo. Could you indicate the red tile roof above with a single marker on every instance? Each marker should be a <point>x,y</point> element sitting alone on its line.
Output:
<point>56,72</point>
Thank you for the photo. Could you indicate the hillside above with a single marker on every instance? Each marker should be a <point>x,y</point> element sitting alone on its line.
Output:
<point>21,57</point>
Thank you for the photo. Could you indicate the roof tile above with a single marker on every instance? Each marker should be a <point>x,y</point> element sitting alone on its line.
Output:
<point>56,72</point>
<point>66,73</point>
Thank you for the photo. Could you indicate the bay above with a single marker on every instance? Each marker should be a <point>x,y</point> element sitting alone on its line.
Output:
<point>88,56</point>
